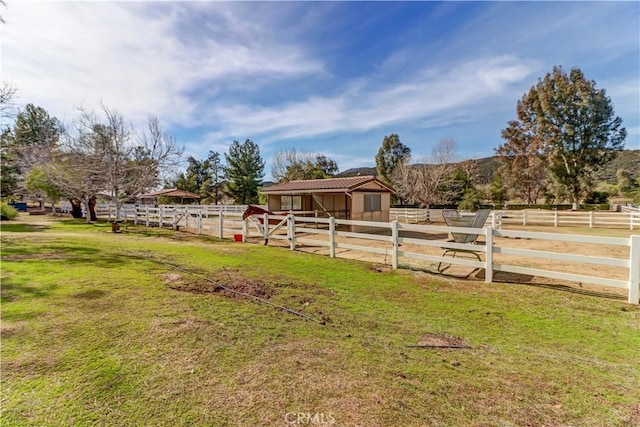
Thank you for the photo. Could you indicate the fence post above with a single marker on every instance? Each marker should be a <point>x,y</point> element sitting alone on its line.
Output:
<point>265,227</point>
<point>135,215</point>
<point>332,237</point>
<point>524,217</point>
<point>590,219</point>
<point>186,218</point>
<point>220,224</point>
<point>147,213</point>
<point>160,217</point>
<point>488,269</point>
<point>291,226</point>
<point>200,221</point>
<point>245,230</point>
<point>634,270</point>
<point>555,218</point>
<point>396,245</point>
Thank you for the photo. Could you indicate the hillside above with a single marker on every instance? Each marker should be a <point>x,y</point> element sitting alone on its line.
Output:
<point>627,159</point>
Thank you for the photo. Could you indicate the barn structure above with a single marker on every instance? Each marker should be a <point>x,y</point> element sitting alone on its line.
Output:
<point>363,198</point>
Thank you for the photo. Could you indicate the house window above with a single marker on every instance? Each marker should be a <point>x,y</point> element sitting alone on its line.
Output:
<point>291,203</point>
<point>372,203</point>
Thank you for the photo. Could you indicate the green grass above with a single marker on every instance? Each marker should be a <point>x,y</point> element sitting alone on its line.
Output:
<point>92,334</point>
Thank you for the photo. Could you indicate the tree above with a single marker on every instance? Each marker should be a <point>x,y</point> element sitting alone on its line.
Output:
<point>39,184</point>
<point>8,165</point>
<point>471,200</point>
<point>522,155</point>
<point>574,122</point>
<point>292,165</point>
<point>457,183</point>
<point>216,176</point>
<point>391,153</point>
<point>29,143</point>
<point>99,157</point>
<point>130,165</point>
<point>426,183</point>
<point>498,192</point>
<point>77,171</point>
<point>7,94</point>
<point>244,171</point>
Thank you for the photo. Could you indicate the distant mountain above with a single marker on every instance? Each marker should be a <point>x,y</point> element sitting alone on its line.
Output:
<point>627,159</point>
<point>357,172</point>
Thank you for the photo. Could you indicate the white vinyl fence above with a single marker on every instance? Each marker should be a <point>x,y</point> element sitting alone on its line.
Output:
<point>400,243</point>
<point>629,217</point>
<point>591,219</point>
<point>386,239</point>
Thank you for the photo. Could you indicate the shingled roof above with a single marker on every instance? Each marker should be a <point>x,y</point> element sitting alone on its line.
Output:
<point>329,185</point>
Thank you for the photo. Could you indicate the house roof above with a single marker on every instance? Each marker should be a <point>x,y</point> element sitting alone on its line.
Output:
<point>170,192</point>
<point>329,185</point>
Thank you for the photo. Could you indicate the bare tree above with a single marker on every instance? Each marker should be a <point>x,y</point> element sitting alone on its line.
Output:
<point>76,169</point>
<point>7,94</point>
<point>423,183</point>
<point>291,165</point>
<point>100,157</point>
<point>131,165</point>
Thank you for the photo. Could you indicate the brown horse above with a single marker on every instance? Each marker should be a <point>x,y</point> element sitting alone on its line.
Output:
<point>256,210</point>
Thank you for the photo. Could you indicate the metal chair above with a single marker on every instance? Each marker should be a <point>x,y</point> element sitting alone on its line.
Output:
<point>453,219</point>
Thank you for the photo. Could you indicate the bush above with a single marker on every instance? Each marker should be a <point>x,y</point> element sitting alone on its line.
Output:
<point>7,212</point>
<point>596,198</point>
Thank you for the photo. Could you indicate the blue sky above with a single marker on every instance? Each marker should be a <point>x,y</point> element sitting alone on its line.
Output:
<point>328,77</point>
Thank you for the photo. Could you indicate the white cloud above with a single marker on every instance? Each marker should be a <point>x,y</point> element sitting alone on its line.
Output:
<point>433,97</point>
<point>128,55</point>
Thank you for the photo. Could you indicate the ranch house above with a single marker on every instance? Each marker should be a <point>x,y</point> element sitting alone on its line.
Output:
<point>363,198</point>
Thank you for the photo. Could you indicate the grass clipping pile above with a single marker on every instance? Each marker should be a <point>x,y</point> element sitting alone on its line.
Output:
<point>229,283</point>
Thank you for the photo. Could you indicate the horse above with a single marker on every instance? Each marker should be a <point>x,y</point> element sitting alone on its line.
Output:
<point>257,210</point>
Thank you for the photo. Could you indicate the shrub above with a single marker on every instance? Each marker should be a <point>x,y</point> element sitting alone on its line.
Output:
<point>7,212</point>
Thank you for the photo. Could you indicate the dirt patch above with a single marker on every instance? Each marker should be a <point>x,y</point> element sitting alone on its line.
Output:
<point>228,283</point>
<point>10,330</point>
<point>429,340</point>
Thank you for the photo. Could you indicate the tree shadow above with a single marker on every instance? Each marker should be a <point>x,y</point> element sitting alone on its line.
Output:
<point>500,277</point>
<point>573,290</point>
<point>528,280</point>
<point>68,255</point>
<point>23,228</point>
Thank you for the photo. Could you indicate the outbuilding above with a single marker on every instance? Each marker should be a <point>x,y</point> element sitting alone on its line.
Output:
<point>363,198</point>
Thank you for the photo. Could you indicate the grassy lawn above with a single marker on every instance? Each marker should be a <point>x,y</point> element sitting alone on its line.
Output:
<point>100,329</point>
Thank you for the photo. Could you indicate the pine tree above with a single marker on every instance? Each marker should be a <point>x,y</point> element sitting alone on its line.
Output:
<point>244,171</point>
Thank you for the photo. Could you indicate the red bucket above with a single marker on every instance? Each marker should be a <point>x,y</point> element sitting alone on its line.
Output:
<point>237,237</point>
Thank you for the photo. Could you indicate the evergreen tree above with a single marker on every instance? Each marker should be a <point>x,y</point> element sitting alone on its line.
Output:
<point>391,153</point>
<point>573,125</point>
<point>244,171</point>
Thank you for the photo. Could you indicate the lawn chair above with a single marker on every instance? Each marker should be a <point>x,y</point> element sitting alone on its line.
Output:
<point>453,219</point>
